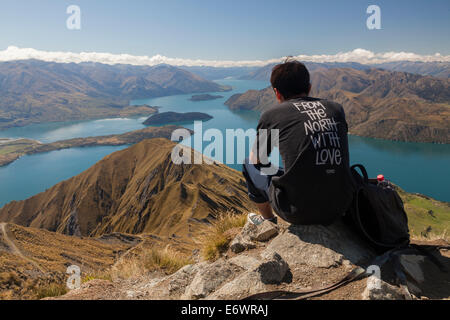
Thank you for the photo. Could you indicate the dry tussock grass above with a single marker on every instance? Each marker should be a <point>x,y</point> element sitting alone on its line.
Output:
<point>147,260</point>
<point>216,239</point>
<point>51,290</point>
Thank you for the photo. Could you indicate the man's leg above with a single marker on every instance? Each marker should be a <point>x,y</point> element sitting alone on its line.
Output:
<point>258,186</point>
<point>265,209</point>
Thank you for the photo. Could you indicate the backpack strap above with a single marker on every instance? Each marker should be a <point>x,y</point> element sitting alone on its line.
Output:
<point>432,257</point>
<point>363,171</point>
<point>355,274</point>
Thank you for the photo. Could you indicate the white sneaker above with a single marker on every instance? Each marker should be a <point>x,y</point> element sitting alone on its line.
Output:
<point>254,218</point>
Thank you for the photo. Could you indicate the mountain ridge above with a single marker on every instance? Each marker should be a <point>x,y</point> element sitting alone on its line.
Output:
<point>436,69</point>
<point>35,91</point>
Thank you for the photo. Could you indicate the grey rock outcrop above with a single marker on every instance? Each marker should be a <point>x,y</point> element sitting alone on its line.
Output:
<point>251,234</point>
<point>171,287</point>
<point>319,246</point>
<point>378,289</point>
<point>270,269</point>
<point>245,262</point>
<point>241,243</point>
<point>263,232</point>
<point>210,278</point>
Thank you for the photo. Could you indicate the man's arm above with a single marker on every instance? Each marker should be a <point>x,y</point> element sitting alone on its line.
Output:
<point>262,146</point>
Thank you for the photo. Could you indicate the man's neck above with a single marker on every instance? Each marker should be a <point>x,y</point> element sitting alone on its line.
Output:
<point>303,95</point>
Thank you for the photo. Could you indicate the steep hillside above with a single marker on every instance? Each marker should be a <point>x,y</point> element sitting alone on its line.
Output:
<point>32,259</point>
<point>136,190</point>
<point>378,103</point>
<point>35,91</point>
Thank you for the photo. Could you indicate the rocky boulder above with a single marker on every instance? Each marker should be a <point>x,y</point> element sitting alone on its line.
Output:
<point>269,269</point>
<point>378,289</point>
<point>251,234</point>
<point>319,246</point>
<point>210,278</point>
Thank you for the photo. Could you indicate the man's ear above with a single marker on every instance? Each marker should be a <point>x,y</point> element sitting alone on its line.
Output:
<point>279,96</point>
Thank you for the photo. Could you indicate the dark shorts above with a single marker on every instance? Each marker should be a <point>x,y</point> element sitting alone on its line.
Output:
<point>257,183</point>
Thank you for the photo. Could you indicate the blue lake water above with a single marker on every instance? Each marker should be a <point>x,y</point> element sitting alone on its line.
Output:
<point>416,167</point>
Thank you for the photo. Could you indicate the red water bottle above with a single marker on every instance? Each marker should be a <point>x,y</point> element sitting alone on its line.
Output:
<point>382,182</point>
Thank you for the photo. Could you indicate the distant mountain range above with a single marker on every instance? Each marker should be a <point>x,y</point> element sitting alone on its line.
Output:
<point>264,73</point>
<point>34,91</point>
<point>378,103</point>
<point>136,190</point>
<point>437,69</point>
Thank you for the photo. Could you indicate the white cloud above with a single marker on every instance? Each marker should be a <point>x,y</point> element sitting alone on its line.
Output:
<point>358,55</point>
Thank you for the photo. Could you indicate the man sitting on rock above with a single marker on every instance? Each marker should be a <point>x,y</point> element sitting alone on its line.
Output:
<point>315,186</point>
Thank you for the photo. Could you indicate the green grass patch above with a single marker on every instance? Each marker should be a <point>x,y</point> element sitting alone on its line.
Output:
<point>18,146</point>
<point>428,218</point>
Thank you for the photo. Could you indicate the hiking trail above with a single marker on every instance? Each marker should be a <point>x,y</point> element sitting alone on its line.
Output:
<point>14,250</point>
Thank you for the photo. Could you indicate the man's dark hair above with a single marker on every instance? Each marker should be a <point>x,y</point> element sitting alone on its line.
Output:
<point>291,79</point>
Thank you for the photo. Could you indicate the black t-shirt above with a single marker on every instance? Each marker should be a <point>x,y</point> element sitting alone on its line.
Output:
<point>317,185</point>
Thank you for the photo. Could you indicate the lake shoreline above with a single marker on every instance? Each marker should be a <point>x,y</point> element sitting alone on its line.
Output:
<point>22,147</point>
<point>139,111</point>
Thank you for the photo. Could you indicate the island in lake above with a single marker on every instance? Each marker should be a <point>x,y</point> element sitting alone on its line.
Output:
<point>175,117</point>
<point>12,149</point>
<point>204,97</point>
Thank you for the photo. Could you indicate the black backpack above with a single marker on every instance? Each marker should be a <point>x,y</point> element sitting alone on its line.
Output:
<point>377,213</point>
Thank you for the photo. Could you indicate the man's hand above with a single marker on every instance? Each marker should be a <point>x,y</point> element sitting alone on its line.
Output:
<point>253,158</point>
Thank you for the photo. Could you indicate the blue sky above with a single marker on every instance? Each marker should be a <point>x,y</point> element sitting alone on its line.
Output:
<point>231,29</point>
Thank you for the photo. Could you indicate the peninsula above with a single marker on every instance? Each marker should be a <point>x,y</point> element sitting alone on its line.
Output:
<point>12,149</point>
